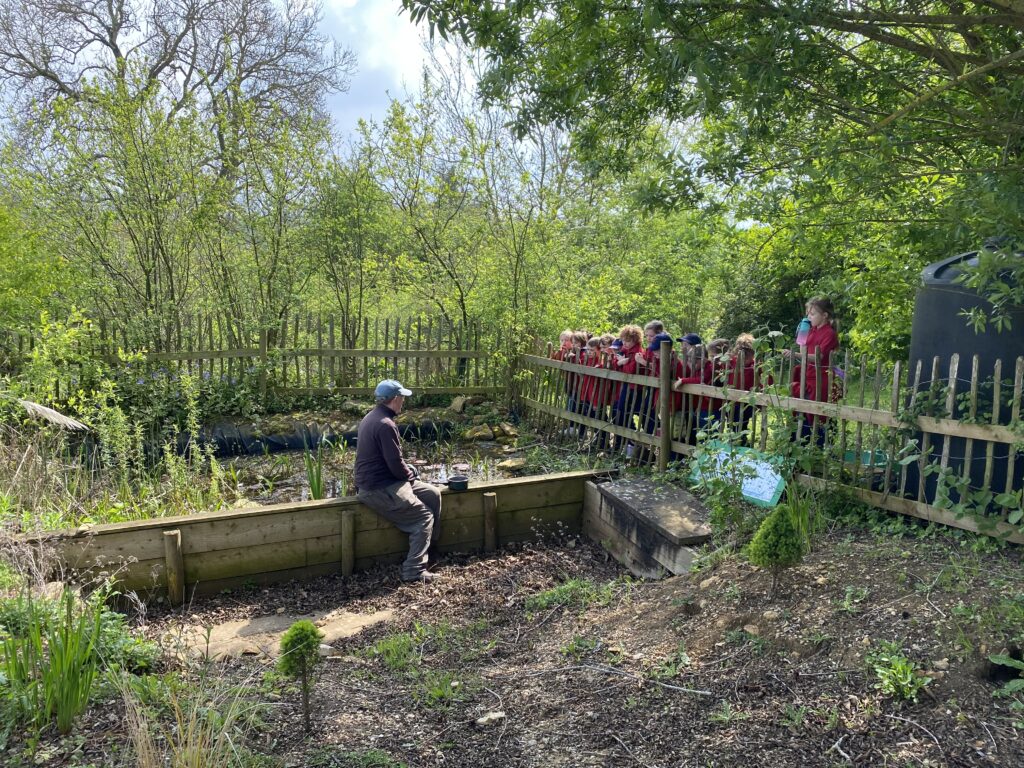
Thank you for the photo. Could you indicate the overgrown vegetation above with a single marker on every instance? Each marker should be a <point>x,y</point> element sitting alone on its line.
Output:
<point>577,594</point>
<point>53,651</point>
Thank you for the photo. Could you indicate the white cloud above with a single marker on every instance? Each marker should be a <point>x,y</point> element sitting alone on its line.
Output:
<point>388,46</point>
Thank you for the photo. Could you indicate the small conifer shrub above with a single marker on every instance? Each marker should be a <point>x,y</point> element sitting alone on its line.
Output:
<point>300,651</point>
<point>778,544</point>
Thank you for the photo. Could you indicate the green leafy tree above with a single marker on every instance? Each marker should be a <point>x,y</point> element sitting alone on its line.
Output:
<point>29,270</point>
<point>300,652</point>
<point>873,139</point>
<point>351,228</point>
<point>165,149</point>
<point>441,228</point>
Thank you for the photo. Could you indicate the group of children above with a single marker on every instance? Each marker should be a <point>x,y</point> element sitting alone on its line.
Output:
<point>719,363</point>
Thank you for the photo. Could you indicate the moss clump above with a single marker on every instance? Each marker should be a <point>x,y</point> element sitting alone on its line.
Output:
<point>777,545</point>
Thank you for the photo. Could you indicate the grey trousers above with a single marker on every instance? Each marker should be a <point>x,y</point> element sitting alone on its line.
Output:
<point>413,508</point>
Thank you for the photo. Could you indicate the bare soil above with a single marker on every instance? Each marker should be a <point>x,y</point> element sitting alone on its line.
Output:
<point>699,670</point>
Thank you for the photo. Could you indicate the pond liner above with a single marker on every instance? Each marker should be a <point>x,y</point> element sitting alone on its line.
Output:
<point>230,439</point>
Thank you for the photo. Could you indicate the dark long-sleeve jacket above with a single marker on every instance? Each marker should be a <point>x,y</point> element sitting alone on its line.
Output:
<point>379,460</point>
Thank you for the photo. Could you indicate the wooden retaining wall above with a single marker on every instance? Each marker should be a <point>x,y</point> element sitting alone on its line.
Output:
<point>209,552</point>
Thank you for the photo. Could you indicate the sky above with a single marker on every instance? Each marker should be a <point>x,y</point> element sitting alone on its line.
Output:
<point>389,56</point>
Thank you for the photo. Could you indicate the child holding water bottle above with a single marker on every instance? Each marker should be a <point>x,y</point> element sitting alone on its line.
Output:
<point>820,340</point>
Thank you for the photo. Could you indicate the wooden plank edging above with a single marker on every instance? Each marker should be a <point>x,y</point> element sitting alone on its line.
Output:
<point>347,502</point>
<point>149,554</point>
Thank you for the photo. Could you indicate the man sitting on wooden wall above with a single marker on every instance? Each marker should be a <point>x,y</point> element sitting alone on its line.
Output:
<point>392,488</point>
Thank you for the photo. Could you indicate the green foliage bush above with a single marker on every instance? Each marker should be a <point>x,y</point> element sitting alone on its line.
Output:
<point>52,650</point>
<point>778,543</point>
<point>300,652</point>
<point>50,665</point>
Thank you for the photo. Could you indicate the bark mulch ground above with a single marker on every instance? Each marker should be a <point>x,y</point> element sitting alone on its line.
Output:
<point>548,655</point>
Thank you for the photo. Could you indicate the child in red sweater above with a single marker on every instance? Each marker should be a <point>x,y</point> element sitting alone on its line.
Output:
<point>628,401</point>
<point>743,377</point>
<point>711,367</point>
<point>812,382</point>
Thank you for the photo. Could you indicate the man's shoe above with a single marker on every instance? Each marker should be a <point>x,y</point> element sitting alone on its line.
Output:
<point>425,577</point>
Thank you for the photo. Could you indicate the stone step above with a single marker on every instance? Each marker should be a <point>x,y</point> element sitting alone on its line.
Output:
<point>649,527</point>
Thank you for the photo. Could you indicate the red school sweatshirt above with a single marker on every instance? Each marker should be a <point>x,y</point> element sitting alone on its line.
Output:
<point>821,341</point>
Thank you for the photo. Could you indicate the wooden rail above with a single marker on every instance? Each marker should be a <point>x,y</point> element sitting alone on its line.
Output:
<point>967,430</point>
<point>202,554</point>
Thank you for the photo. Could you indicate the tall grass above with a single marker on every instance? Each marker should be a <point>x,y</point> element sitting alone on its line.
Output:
<point>205,725</point>
<point>315,471</point>
<point>51,480</point>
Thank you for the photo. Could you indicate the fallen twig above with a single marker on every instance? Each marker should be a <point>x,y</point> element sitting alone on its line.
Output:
<point>641,678</point>
<point>911,722</point>
<point>630,751</point>
<point>835,747</point>
<point>608,671</point>
<point>504,723</point>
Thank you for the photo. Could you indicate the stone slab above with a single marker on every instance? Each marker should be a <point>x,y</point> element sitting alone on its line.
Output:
<point>630,539</point>
<point>261,636</point>
<point>673,512</point>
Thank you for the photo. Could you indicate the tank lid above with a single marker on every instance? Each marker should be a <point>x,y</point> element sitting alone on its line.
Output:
<point>947,271</point>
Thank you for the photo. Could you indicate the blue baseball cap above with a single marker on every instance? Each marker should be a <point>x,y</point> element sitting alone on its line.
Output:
<point>658,340</point>
<point>617,344</point>
<point>390,388</point>
<point>691,338</point>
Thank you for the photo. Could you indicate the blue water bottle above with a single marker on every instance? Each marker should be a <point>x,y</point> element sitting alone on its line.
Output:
<point>802,332</point>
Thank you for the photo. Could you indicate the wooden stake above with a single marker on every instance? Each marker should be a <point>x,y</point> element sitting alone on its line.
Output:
<point>490,522</point>
<point>664,405</point>
<point>348,542</point>
<point>175,565</point>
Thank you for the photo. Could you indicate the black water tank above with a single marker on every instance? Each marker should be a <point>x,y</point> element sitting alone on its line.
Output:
<point>941,329</point>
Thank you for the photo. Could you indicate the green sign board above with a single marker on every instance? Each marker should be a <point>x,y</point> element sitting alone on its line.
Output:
<point>760,480</point>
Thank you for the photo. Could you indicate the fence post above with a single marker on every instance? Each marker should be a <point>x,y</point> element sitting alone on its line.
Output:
<point>175,567</point>
<point>348,541</point>
<point>490,522</point>
<point>665,404</point>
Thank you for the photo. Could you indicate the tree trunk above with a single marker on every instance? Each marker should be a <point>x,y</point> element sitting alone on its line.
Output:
<point>305,701</point>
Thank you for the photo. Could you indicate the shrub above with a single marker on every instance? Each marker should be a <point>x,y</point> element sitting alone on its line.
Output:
<point>300,651</point>
<point>777,545</point>
<point>51,651</point>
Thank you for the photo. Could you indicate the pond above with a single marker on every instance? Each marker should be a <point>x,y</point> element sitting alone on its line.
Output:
<point>289,475</point>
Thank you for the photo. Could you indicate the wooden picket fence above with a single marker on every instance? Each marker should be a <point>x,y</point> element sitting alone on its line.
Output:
<point>305,353</point>
<point>929,442</point>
